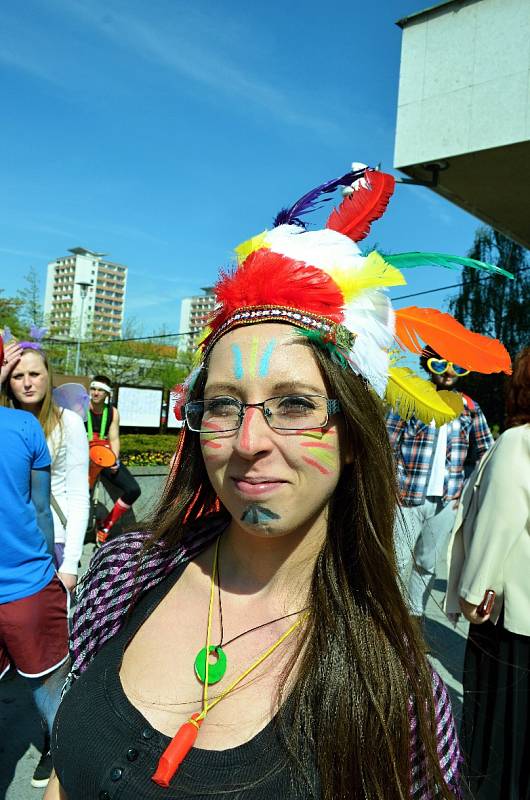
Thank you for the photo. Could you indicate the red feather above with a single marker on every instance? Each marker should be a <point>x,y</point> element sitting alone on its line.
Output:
<point>366,204</point>
<point>267,278</point>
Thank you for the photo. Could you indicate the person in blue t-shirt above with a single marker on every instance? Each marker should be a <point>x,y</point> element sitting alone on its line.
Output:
<point>33,601</point>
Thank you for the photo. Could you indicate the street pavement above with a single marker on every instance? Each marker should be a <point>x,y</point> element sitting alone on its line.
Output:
<point>21,736</point>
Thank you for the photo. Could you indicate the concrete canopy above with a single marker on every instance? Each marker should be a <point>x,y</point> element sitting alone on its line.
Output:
<point>464,102</point>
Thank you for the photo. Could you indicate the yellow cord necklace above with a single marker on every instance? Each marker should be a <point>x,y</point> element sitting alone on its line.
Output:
<point>184,739</point>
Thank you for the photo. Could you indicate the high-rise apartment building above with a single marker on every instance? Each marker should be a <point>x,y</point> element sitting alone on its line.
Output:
<point>85,295</point>
<point>194,312</point>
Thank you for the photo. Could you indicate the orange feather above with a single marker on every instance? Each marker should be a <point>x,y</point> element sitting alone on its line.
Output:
<point>450,339</point>
<point>366,204</point>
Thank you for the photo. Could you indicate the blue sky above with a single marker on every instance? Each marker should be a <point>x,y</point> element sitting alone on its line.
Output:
<point>164,133</point>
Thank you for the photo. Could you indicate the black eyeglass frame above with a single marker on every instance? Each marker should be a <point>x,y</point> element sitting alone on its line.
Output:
<point>332,407</point>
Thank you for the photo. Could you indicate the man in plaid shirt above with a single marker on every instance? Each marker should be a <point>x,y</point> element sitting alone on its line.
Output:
<point>433,464</point>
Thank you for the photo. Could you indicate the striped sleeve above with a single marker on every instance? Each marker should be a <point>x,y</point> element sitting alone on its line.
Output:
<point>446,744</point>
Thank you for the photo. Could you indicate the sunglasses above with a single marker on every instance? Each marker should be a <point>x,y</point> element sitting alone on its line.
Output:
<point>439,366</point>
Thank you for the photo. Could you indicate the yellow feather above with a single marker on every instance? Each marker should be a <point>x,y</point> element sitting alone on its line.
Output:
<point>197,356</point>
<point>255,243</point>
<point>374,272</point>
<point>411,396</point>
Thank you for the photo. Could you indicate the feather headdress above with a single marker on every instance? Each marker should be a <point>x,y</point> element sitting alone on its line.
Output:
<point>320,282</point>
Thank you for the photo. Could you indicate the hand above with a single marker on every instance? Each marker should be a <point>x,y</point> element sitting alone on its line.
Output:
<point>12,353</point>
<point>69,581</point>
<point>115,468</point>
<point>470,612</point>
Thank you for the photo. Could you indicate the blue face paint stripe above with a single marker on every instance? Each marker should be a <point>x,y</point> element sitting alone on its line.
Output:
<point>265,359</point>
<point>238,362</point>
<point>255,515</point>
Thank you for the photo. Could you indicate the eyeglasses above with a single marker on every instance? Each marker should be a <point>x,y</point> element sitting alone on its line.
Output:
<point>439,366</point>
<point>286,413</point>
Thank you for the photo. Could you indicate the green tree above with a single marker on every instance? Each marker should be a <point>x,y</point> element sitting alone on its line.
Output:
<point>10,314</point>
<point>495,306</point>
<point>30,296</point>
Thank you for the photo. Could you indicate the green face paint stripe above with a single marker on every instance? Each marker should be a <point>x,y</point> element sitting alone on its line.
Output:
<point>238,362</point>
<point>265,359</point>
<point>205,437</point>
<point>323,457</point>
<point>253,357</point>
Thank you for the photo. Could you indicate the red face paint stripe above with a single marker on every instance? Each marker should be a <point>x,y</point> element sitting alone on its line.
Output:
<point>214,445</point>
<point>245,428</point>
<point>318,466</point>
<point>318,445</point>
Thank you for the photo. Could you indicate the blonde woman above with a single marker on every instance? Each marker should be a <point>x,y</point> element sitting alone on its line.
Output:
<point>29,387</point>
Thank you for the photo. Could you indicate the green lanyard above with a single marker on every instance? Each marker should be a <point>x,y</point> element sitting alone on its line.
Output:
<point>103,427</point>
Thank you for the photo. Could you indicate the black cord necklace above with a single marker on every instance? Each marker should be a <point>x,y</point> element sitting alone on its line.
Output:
<point>217,670</point>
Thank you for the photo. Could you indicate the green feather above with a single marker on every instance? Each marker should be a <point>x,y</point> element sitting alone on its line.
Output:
<point>409,260</point>
<point>317,338</point>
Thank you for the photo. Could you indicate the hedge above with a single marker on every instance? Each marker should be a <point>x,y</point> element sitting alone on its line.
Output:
<point>145,450</point>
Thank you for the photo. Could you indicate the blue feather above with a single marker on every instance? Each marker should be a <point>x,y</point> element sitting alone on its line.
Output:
<point>313,199</point>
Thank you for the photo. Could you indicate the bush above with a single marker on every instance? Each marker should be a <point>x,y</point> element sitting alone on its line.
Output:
<point>145,450</point>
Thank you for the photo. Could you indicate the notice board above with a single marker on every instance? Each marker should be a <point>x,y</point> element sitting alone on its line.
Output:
<point>139,408</point>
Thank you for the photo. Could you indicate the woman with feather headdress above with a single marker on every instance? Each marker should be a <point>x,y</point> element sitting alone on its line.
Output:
<point>260,613</point>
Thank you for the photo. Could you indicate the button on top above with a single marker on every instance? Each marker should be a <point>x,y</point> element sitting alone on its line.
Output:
<point>132,754</point>
<point>104,796</point>
<point>116,773</point>
<point>147,733</point>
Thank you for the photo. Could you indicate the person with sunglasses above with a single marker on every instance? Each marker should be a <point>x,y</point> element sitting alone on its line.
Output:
<point>433,464</point>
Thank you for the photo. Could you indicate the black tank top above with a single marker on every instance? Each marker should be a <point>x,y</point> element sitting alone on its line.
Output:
<point>104,749</point>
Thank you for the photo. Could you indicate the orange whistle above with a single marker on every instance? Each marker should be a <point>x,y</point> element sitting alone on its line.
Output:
<point>176,751</point>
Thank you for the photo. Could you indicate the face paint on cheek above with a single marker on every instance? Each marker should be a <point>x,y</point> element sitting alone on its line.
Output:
<point>238,362</point>
<point>258,515</point>
<point>206,442</point>
<point>321,455</point>
<point>212,426</point>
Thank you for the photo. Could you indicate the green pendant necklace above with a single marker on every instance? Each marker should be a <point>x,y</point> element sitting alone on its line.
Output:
<point>217,669</point>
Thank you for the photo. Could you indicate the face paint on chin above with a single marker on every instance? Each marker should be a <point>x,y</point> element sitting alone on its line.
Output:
<point>258,515</point>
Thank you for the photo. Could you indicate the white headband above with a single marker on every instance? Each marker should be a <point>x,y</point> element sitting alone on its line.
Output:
<point>101,385</point>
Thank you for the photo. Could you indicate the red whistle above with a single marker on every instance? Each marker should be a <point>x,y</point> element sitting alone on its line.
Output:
<point>176,751</point>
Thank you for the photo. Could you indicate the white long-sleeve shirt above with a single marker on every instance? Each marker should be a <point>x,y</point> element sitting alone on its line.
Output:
<point>68,447</point>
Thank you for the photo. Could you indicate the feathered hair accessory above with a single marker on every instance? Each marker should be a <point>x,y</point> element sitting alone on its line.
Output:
<point>320,282</point>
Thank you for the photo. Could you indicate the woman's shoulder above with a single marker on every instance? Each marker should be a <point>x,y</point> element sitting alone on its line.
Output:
<point>72,421</point>
<point>511,445</point>
<point>520,433</point>
<point>119,574</point>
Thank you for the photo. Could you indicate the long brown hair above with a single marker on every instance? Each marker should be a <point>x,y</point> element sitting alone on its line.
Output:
<point>518,392</point>
<point>49,414</point>
<point>361,662</point>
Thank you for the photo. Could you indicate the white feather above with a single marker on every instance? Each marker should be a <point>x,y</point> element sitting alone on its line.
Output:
<point>324,249</point>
